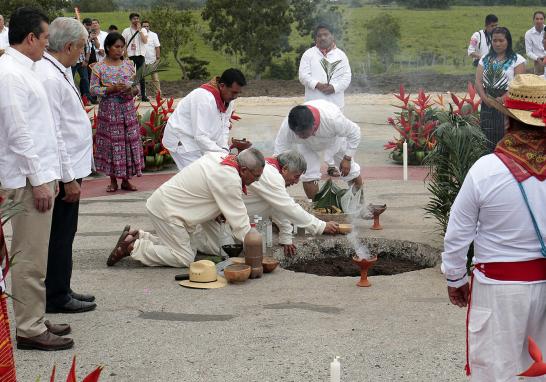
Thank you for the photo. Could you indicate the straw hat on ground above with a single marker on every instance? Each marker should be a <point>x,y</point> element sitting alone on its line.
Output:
<point>525,101</point>
<point>203,276</point>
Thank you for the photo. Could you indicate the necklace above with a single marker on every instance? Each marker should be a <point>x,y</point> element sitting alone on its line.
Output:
<point>73,87</point>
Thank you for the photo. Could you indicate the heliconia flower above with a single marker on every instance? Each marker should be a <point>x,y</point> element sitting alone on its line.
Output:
<point>235,117</point>
<point>72,373</point>
<point>471,91</point>
<point>390,121</point>
<point>157,97</point>
<point>94,375</point>
<point>456,100</point>
<point>85,101</point>
<point>170,103</point>
<point>538,367</point>
<point>52,378</point>
<point>440,100</point>
<point>143,131</point>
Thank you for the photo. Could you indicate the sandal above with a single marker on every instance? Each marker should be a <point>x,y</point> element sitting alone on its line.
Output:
<point>333,172</point>
<point>125,185</point>
<point>113,258</point>
<point>112,188</point>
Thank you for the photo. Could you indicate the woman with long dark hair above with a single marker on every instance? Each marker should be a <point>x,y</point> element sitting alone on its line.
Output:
<point>118,144</point>
<point>494,73</point>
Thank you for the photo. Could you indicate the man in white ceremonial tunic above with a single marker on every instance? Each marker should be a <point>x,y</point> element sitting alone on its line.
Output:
<point>507,297</point>
<point>317,126</point>
<point>209,188</point>
<point>269,197</point>
<point>201,121</point>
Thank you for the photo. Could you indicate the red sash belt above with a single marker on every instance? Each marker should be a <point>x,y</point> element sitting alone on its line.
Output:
<point>526,271</point>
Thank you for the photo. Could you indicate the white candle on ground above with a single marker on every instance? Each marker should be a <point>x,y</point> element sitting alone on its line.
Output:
<point>405,159</point>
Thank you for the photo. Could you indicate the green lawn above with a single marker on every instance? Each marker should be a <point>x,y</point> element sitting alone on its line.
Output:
<point>443,34</point>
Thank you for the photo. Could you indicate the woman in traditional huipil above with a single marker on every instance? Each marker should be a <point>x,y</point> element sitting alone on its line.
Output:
<point>494,73</point>
<point>118,143</point>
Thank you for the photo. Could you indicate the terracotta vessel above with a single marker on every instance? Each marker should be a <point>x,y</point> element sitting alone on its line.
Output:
<point>364,265</point>
<point>269,264</point>
<point>237,273</point>
<point>376,210</point>
<point>240,144</point>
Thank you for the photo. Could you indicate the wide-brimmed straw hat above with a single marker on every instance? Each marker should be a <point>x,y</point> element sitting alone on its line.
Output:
<point>525,101</point>
<point>203,276</point>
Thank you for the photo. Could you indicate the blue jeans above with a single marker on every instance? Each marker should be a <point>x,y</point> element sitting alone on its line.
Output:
<point>84,78</point>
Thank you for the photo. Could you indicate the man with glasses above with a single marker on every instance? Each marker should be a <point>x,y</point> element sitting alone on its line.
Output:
<point>209,188</point>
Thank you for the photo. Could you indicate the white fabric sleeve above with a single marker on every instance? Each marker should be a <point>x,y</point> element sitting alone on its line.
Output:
<point>203,120</point>
<point>474,42</point>
<point>461,231</point>
<point>227,193</point>
<point>344,127</point>
<point>285,138</point>
<point>529,47</point>
<point>304,72</point>
<point>13,121</point>
<point>55,97</point>
<point>342,80</point>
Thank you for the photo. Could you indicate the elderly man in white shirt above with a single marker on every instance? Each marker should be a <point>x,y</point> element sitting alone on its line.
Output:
<point>201,121</point>
<point>315,127</point>
<point>30,164</point>
<point>500,208</point>
<point>4,38</point>
<point>534,47</point>
<point>480,42</point>
<point>153,54</point>
<point>67,38</point>
<point>269,197</point>
<point>312,74</point>
<point>136,39</point>
<point>210,188</point>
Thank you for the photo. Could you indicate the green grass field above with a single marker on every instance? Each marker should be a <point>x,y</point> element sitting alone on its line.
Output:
<point>443,34</point>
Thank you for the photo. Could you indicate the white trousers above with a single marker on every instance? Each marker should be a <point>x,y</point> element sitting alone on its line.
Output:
<point>336,151</point>
<point>501,318</point>
<point>185,159</point>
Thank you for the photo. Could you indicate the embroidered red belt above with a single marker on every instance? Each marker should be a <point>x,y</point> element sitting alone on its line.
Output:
<point>525,271</point>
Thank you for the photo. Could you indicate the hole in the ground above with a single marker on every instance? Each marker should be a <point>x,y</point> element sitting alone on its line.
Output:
<point>334,259</point>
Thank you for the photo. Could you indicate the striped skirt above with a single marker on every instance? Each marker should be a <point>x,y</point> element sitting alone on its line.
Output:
<point>492,125</point>
<point>118,143</point>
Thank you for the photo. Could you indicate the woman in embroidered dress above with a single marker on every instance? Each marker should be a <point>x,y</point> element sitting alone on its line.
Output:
<point>118,143</point>
<point>494,73</point>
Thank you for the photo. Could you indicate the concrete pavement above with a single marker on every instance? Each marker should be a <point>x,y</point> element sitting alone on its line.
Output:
<point>284,327</point>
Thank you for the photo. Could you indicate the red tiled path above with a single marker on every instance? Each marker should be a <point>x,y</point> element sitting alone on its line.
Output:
<point>148,182</point>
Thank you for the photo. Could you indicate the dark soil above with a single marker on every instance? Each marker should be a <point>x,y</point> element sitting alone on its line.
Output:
<point>377,84</point>
<point>386,265</point>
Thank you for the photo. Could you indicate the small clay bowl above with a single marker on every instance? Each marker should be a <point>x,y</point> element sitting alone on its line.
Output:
<point>237,273</point>
<point>237,260</point>
<point>345,228</point>
<point>269,264</point>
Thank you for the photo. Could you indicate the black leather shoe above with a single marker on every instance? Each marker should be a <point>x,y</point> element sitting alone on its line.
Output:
<point>82,297</point>
<point>72,306</point>
<point>58,329</point>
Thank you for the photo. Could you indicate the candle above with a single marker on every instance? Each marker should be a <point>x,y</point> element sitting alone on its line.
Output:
<point>335,370</point>
<point>405,159</point>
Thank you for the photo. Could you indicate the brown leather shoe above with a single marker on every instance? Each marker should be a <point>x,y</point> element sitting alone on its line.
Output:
<point>58,329</point>
<point>46,341</point>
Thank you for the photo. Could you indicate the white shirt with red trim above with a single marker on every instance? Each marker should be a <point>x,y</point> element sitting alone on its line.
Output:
<point>490,210</point>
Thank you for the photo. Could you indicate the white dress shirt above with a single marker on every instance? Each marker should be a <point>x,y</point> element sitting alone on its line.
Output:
<point>333,126</point>
<point>136,47</point>
<point>29,143</point>
<point>311,73</point>
<point>102,36</point>
<point>4,40</point>
<point>479,43</point>
<point>69,116</point>
<point>153,42</point>
<point>268,196</point>
<point>533,44</point>
<point>490,211</point>
<point>199,193</point>
<point>197,125</point>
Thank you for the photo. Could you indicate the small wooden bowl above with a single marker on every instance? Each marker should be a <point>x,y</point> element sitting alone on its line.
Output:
<point>345,228</point>
<point>237,273</point>
<point>269,264</point>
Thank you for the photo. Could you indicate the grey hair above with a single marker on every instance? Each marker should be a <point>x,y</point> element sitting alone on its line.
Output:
<point>293,160</point>
<point>251,158</point>
<point>64,30</point>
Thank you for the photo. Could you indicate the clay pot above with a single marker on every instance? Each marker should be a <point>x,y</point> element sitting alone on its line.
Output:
<point>237,273</point>
<point>364,265</point>
<point>269,264</point>
<point>345,228</point>
<point>240,144</point>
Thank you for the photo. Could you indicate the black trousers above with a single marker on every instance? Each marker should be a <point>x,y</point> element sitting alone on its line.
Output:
<point>59,261</point>
<point>139,62</point>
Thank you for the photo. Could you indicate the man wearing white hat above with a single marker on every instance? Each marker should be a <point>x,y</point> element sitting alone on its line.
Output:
<point>500,208</point>
<point>320,126</point>
<point>210,187</point>
<point>269,197</point>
